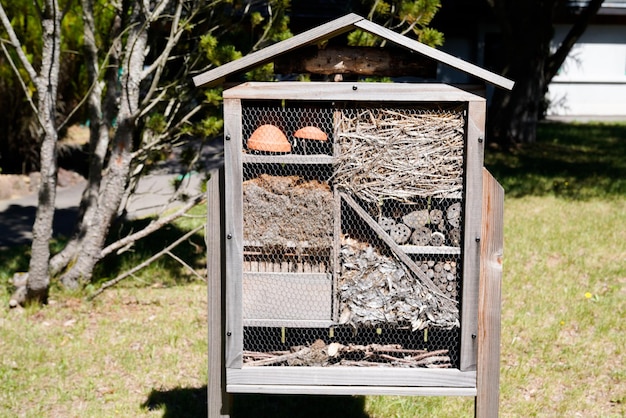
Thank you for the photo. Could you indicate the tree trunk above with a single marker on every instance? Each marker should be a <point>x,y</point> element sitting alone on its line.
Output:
<point>527,31</point>
<point>100,115</point>
<point>117,172</point>
<point>46,84</point>
<point>120,101</point>
<point>114,106</point>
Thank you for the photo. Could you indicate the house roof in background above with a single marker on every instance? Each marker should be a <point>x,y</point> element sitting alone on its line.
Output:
<point>337,27</point>
<point>608,8</point>
<point>607,3</point>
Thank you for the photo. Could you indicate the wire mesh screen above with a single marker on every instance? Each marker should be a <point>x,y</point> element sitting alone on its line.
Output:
<point>352,227</point>
<point>278,128</point>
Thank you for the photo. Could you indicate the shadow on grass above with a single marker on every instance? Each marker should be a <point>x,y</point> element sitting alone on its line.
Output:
<point>578,161</point>
<point>165,271</point>
<point>179,402</point>
<point>192,403</point>
<point>16,223</point>
<point>301,406</point>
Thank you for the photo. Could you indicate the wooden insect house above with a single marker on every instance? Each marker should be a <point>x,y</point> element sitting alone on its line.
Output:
<point>358,247</point>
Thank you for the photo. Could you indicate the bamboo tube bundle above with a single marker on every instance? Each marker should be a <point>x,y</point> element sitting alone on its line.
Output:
<point>423,227</point>
<point>443,273</point>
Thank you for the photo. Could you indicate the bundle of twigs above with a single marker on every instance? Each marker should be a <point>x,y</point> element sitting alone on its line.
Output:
<point>400,154</point>
<point>335,354</point>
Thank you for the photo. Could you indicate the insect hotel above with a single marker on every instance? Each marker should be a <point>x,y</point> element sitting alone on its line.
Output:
<point>355,247</point>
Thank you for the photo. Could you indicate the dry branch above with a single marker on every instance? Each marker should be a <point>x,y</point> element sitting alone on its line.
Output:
<point>389,154</point>
<point>138,267</point>
<point>335,354</point>
<point>153,226</point>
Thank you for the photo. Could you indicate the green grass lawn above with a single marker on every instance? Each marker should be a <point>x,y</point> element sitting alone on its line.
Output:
<point>140,348</point>
<point>573,161</point>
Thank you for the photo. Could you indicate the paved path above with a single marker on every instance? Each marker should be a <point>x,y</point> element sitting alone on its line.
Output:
<point>17,215</point>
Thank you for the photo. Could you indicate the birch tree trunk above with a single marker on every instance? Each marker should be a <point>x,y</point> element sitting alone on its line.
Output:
<point>46,81</point>
<point>101,111</point>
<point>121,101</point>
<point>39,278</point>
<point>125,87</point>
<point>100,214</point>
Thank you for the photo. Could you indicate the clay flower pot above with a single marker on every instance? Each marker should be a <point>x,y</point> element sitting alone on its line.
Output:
<point>311,132</point>
<point>269,138</point>
<point>312,140</point>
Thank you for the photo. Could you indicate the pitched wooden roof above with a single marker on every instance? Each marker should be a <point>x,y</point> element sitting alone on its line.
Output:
<point>337,27</point>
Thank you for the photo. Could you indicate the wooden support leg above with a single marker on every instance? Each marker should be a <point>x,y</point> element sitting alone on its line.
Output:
<point>489,300</point>
<point>218,400</point>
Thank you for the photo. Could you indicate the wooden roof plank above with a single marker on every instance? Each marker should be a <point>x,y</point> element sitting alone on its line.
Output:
<point>436,54</point>
<point>337,27</point>
<point>325,91</point>
<point>262,56</point>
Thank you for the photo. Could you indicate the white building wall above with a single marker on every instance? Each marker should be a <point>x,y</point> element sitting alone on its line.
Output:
<point>592,80</point>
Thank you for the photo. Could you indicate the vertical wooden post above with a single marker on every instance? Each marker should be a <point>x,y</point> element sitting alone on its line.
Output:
<point>476,113</point>
<point>218,400</point>
<point>489,299</point>
<point>232,269</point>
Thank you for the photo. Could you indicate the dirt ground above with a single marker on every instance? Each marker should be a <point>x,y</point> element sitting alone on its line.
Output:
<point>13,186</point>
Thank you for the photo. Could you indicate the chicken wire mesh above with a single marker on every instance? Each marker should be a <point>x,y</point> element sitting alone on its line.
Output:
<point>352,228</point>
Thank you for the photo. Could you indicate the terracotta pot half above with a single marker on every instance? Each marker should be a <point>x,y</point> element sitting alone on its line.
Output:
<point>269,138</point>
<point>311,132</point>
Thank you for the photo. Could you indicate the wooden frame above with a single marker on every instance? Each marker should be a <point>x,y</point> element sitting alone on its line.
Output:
<point>233,232</point>
<point>478,372</point>
<point>473,217</point>
<point>484,384</point>
<point>219,400</point>
<point>479,368</point>
<point>489,300</point>
<point>460,381</point>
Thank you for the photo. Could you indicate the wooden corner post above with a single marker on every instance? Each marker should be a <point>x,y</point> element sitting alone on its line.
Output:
<point>218,401</point>
<point>489,299</point>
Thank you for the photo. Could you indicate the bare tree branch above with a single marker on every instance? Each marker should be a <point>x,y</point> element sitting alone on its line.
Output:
<point>22,83</point>
<point>172,40</point>
<point>17,45</point>
<point>147,262</point>
<point>574,34</point>
<point>268,27</point>
<point>182,262</point>
<point>152,227</point>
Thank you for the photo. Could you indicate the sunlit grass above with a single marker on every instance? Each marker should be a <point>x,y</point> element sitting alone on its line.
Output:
<point>563,329</point>
<point>407,406</point>
<point>140,348</point>
<point>103,358</point>
<point>574,161</point>
<point>564,286</point>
